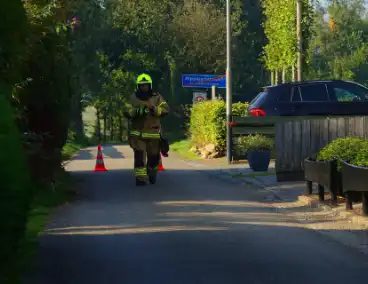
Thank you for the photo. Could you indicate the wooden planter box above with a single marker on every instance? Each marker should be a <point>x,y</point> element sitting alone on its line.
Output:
<point>355,180</point>
<point>325,174</point>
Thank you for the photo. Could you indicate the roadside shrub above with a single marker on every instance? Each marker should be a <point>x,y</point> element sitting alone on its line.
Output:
<point>256,142</point>
<point>348,149</point>
<point>207,123</point>
<point>15,190</point>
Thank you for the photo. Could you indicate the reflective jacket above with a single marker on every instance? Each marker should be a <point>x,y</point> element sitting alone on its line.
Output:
<point>145,123</point>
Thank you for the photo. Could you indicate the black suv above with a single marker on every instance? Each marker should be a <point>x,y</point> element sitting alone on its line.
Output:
<point>334,97</point>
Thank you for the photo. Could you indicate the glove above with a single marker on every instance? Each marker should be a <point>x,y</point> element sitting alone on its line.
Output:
<point>151,109</point>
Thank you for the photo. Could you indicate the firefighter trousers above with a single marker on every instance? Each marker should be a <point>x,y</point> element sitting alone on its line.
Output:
<point>146,157</point>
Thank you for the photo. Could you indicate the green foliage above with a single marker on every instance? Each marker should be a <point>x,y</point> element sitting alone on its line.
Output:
<point>339,47</point>
<point>361,159</point>
<point>344,149</point>
<point>13,28</point>
<point>240,109</point>
<point>208,122</point>
<point>15,190</point>
<point>280,30</point>
<point>256,142</point>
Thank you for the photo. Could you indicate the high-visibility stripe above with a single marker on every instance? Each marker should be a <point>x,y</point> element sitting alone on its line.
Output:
<point>144,135</point>
<point>135,133</point>
<point>161,104</point>
<point>150,135</point>
<point>140,172</point>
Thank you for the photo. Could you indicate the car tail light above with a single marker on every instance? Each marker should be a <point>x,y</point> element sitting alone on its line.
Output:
<point>257,112</point>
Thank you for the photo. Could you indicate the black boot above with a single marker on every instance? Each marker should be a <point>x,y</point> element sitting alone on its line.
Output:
<point>140,182</point>
<point>152,179</point>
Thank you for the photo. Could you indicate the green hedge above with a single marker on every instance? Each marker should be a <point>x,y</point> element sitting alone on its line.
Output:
<point>15,190</point>
<point>351,149</point>
<point>208,122</point>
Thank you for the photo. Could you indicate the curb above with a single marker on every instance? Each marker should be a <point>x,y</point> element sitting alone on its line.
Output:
<point>340,212</point>
<point>313,203</point>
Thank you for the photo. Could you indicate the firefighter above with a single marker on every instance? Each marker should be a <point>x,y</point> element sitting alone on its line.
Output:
<point>145,110</point>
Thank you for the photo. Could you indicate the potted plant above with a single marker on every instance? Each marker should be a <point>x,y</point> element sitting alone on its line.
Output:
<point>241,148</point>
<point>324,173</point>
<point>340,150</point>
<point>259,149</point>
<point>355,180</point>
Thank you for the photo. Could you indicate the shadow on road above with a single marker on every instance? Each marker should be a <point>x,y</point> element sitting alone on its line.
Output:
<point>85,154</point>
<point>188,228</point>
<point>111,152</point>
<point>108,151</point>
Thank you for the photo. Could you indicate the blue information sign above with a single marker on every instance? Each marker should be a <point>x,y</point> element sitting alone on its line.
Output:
<point>203,81</point>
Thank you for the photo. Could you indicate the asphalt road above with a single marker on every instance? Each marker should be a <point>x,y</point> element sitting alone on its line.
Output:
<point>188,228</point>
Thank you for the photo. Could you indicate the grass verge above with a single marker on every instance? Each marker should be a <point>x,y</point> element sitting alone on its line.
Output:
<point>43,204</point>
<point>182,148</point>
<point>72,147</point>
<point>45,200</point>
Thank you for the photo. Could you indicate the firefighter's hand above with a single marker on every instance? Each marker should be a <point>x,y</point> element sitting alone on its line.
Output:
<point>151,108</point>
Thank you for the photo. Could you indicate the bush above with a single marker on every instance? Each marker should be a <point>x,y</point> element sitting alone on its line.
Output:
<point>15,193</point>
<point>208,122</point>
<point>361,159</point>
<point>245,144</point>
<point>348,149</point>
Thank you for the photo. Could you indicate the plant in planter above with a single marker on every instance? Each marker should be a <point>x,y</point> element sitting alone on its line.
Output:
<point>259,149</point>
<point>324,174</point>
<point>340,150</point>
<point>241,147</point>
<point>355,180</point>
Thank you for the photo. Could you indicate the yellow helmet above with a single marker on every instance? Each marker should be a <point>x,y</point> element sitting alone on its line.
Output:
<point>144,79</point>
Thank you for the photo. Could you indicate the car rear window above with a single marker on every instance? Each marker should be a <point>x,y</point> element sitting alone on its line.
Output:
<point>259,98</point>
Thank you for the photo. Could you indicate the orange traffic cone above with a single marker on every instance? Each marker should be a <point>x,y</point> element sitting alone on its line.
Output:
<point>160,165</point>
<point>100,165</point>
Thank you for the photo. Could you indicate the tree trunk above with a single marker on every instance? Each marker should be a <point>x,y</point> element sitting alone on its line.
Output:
<point>120,129</point>
<point>111,128</point>
<point>272,77</point>
<point>98,126</point>
<point>105,127</point>
<point>293,74</point>
<point>284,75</point>
<point>276,77</point>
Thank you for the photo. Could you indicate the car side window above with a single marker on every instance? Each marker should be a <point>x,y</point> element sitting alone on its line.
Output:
<point>349,94</point>
<point>314,93</point>
<point>284,96</point>
<point>296,95</point>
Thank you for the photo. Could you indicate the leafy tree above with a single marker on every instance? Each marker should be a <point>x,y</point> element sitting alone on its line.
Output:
<point>339,46</point>
<point>280,29</point>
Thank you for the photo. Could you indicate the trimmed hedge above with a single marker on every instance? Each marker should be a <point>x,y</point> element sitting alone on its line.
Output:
<point>15,190</point>
<point>351,149</point>
<point>208,122</point>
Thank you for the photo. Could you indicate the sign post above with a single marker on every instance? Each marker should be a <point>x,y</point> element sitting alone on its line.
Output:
<point>213,93</point>
<point>229,141</point>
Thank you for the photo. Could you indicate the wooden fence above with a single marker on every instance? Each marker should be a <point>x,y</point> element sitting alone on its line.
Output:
<point>298,139</point>
<point>266,125</point>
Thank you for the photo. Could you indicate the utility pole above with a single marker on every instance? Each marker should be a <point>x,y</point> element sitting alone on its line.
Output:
<point>213,93</point>
<point>229,141</point>
<point>299,39</point>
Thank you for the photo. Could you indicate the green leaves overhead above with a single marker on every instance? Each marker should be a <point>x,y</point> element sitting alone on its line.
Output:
<point>280,29</point>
